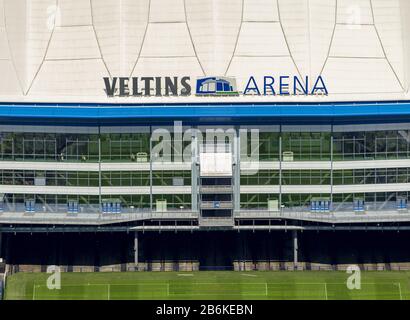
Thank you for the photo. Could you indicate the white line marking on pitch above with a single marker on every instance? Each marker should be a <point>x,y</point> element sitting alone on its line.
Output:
<point>248,275</point>
<point>185,275</point>
<point>401,295</point>
<point>34,292</point>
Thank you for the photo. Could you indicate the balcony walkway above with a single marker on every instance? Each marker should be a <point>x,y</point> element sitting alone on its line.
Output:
<point>95,218</point>
<point>90,216</point>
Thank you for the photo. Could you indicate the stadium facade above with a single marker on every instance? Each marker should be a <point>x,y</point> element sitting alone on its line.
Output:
<point>150,130</point>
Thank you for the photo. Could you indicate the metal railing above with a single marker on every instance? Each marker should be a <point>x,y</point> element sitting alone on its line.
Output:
<point>216,204</point>
<point>216,221</point>
<point>215,189</point>
<point>340,213</point>
<point>90,214</point>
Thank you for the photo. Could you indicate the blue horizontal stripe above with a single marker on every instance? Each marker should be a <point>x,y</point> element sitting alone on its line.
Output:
<point>102,112</point>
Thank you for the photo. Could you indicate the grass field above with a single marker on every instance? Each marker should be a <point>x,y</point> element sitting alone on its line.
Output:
<point>210,285</point>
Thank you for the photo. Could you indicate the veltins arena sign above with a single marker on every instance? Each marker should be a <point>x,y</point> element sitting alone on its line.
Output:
<point>212,86</point>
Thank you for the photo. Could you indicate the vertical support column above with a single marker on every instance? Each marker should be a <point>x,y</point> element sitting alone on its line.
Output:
<point>1,252</point>
<point>237,171</point>
<point>280,171</point>
<point>150,170</point>
<point>331,171</point>
<point>99,170</point>
<point>194,171</point>
<point>295,248</point>
<point>136,248</point>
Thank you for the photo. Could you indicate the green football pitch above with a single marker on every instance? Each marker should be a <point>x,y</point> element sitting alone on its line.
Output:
<point>210,286</point>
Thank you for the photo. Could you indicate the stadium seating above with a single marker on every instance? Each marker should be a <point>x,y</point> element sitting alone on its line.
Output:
<point>155,266</point>
<point>110,268</point>
<point>188,266</point>
<point>400,266</point>
<point>29,268</point>
<point>83,268</point>
<point>169,266</point>
<point>274,266</point>
<point>262,265</point>
<point>184,266</point>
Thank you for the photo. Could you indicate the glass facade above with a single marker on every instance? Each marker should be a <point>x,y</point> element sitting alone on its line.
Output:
<point>125,178</point>
<point>49,178</point>
<point>261,177</point>
<point>371,176</point>
<point>371,145</point>
<point>30,146</point>
<point>307,146</point>
<point>124,146</point>
<point>304,146</point>
<point>283,180</point>
<point>306,177</point>
<point>268,146</point>
<point>256,200</point>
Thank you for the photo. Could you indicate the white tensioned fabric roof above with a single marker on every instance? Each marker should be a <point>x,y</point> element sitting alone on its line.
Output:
<point>59,50</point>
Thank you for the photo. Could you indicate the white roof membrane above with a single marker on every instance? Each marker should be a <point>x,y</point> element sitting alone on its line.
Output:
<point>59,51</point>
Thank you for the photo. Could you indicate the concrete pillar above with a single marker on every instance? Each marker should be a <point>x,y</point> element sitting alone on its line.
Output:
<point>151,155</point>
<point>331,171</point>
<point>237,171</point>
<point>280,172</point>
<point>195,173</point>
<point>136,248</point>
<point>99,171</point>
<point>295,247</point>
<point>1,252</point>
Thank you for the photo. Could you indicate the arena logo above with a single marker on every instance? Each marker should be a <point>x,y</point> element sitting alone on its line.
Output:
<point>147,86</point>
<point>213,86</point>
<point>216,86</point>
<point>267,85</point>
<point>285,86</point>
